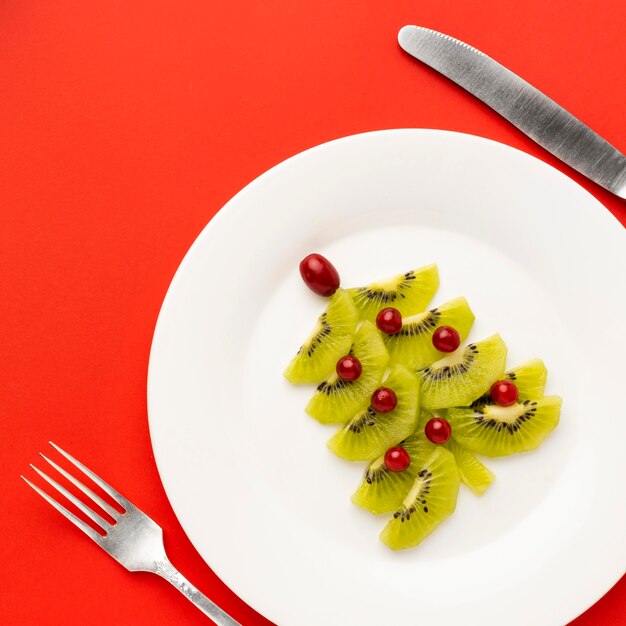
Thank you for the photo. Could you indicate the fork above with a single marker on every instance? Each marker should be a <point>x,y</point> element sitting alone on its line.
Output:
<point>134,540</point>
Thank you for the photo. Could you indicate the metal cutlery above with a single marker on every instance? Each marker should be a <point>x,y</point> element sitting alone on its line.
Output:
<point>133,539</point>
<point>536,115</point>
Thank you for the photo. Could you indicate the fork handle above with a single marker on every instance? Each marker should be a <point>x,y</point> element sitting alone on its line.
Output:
<point>166,570</point>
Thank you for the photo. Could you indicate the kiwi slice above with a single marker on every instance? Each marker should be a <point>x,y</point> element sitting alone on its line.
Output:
<point>430,500</point>
<point>497,430</point>
<point>529,378</point>
<point>413,345</point>
<point>471,471</point>
<point>464,375</point>
<point>335,400</point>
<point>382,490</point>
<point>330,340</point>
<point>369,434</point>
<point>409,293</point>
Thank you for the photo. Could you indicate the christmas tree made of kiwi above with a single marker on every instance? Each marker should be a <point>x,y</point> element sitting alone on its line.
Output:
<point>413,402</point>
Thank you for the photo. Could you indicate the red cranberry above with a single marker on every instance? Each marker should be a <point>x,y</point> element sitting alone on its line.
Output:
<point>438,430</point>
<point>397,459</point>
<point>389,321</point>
<point>319,274</point>
<point>446,339</point>
<point>349,368</point>
<point>504,392</point>
<point>384,400</point>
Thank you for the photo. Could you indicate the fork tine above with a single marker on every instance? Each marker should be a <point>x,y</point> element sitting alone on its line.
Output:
<point>88,492</point>
<point>90,532</point>
<point>94,517</point>
<point>118,497</point>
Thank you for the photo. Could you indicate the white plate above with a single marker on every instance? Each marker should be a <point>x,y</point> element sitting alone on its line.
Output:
<point>248,473</point>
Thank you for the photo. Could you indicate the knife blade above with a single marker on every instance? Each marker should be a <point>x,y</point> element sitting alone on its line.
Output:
<point>534,113</point>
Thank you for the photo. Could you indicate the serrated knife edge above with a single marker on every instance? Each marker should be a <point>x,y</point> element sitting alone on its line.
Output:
<point>534,113</point>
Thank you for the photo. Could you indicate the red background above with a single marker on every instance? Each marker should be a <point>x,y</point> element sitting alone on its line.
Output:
<point>125,127</point>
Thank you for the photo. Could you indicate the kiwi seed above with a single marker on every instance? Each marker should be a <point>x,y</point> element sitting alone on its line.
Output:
<point>367,419</point>
<point>386,297</point>
<point>449,371</point>
<point>510,427</point>
<point>374,475</point>
<point>404,512</point>
<point>331,388</point>
<point>420,328</point>
<point>324,331</point>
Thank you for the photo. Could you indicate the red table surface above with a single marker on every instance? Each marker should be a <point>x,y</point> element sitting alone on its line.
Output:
<point>125,127</point>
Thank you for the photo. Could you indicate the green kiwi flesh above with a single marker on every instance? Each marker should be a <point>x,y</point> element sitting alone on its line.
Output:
<point>330,340</point>
<point>413,345</point>
<point>494,430</point>
<point>336,400</point>
<point>381,490</point>
<point>369,434</point>
<point>471,471</point>
<point>464,375</point>
<point>409,293</point>
<point>529,378</point>
<point>430,500</point>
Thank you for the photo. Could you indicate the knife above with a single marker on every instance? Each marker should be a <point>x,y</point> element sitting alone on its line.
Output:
<point>536,115</point>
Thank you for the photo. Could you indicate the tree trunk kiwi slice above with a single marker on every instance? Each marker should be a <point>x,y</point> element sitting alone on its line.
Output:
<point>430,500</point>
<point>498,431</point>
<point>369,434</point>
<point>409,293</point>
<point>330,340</point>
<point>413,345</point>
<point>336,400</point>
<point>471,471</point>
<point>464,375</point>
